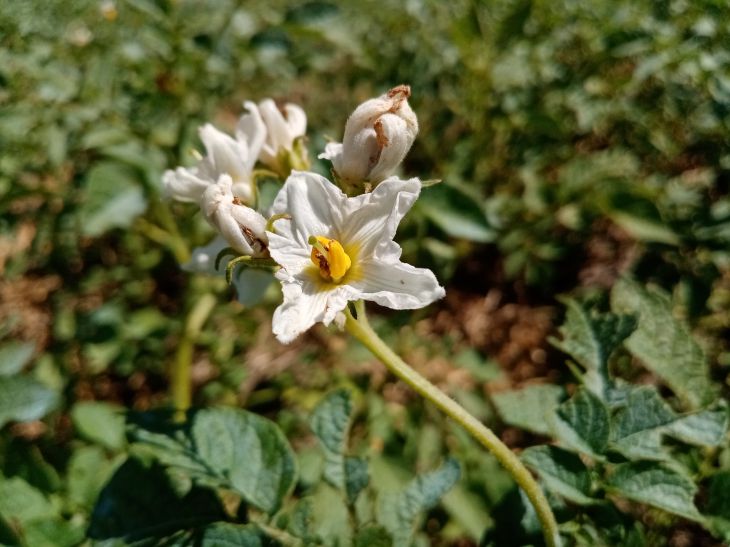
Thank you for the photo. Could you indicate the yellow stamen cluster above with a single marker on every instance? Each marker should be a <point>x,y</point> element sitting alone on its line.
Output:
<point>330,257</point>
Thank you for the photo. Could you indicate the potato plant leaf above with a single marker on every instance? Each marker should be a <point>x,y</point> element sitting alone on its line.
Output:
<point>212,446</point>
<point>398,512</point>
<point>583,423</point>
<point>139,504</point>
<point>331,422</point>
<point>590,338</point>
<point>530,408</point>
<point>663,343</point>
<point>657,485</point>
<point>563,472</point>
<point>23,399</point>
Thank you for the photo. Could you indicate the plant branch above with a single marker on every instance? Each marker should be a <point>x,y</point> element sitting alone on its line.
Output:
<point>360,328</point>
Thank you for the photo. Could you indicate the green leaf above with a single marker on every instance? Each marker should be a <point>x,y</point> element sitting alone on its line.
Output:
<point>331,421</point>
<point>212,445</point>
<point>20,501</point>
<point>637,426</point>
<point>657,485</point>
<point>36,519</point>
<point>590,338</point>
<point>88,470</point>
<point>224,438</point>
<point>14,356</point>
<point>644,410</point>
<point>457,214</point>
<point>530,408</point>
<point>704,428</point>
<point>583,423</point>
<point>224,534</point>
<point>100,423</point>
<point>398,512</point>
<point>563,472</point>
<point>645,229</point>
<point>663,343</point>
<point>23,399</point>
<point>113,198</point>
<point>718,505</point>
<point>373,536</point>
<point>139,502</point>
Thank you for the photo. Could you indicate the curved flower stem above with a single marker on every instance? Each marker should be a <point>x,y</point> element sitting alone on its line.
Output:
<point>360,328</point>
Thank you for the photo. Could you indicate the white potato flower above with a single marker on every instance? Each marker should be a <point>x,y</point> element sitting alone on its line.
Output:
<point>225,156</point>
<point>334,249</point>
<point>377,137</point>
<point>283,127</point>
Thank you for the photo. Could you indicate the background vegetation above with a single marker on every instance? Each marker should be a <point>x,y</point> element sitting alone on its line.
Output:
<point>582,230</point>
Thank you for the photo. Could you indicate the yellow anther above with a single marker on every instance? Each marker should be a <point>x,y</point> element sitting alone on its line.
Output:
<point>330,257</point>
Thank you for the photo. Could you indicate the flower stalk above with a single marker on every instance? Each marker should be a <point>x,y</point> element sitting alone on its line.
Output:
<point>360,328</point>
<point>181,388</point>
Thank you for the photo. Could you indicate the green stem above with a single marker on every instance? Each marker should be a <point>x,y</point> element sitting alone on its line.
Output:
<point>181,387</point>
<point>360,328</point>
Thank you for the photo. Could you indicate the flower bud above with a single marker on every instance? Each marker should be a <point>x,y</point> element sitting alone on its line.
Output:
<point>378,135</point>
<point>243,228</point>
<point>283,129</point>
<point>225,156</point>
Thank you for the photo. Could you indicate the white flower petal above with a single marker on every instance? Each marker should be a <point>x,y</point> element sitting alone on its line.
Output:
<point>252,130</point>
<point>398,142</point>
<point>303,306</point>
<point>314,204</point>
<point>296,119</point>
<point>333,152</point>
<point>224,153</point>
<point>374,221</point>
<point>183,184</point>
<point>243,228</point>
<point>398,285</point>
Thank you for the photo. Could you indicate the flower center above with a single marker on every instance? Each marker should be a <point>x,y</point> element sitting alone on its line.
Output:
<point>330,257</point>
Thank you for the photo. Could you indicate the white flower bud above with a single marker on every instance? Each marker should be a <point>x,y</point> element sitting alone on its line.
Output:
<point>243,228</point>
<point>283,128</point>
<point>377,137</point>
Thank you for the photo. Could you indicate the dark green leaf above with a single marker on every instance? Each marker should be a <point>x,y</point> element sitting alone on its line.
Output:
<point>139,503</point>
<point>563,472</point>
<point>224,534</point>
<point>582,423</point>
<point>657,485</point>
<point>637,426</point>
<point>718,505</point>
<point>590,338</point>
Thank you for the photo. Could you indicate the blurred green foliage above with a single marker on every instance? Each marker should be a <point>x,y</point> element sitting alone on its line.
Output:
<point>577,142</point>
